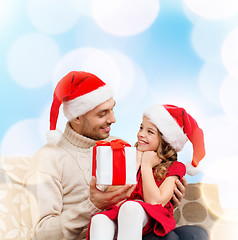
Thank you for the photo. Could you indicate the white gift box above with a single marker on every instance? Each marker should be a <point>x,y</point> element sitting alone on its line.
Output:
<point>114,166</point>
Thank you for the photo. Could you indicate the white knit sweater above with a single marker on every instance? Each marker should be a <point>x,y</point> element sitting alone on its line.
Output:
<point>58,183</point>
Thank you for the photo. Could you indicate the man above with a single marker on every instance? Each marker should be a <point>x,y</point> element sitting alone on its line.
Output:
<point>62,195</point>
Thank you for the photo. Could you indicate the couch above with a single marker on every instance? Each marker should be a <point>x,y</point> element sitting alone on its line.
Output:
<point>200,206</point>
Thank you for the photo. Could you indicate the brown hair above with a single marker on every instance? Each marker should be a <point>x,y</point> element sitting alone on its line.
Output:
<point>167,154</point>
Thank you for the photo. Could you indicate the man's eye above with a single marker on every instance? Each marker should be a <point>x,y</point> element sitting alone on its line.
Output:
<point>102,115</point>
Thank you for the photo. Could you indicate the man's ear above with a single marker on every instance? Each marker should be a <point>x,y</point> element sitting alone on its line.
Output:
<point>77,120</point>
<point>76,123</point>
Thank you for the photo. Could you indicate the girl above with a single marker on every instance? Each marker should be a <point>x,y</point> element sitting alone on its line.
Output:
<point>163,132</point>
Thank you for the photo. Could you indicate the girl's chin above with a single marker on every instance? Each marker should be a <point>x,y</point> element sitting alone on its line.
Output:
<point>141,149</point>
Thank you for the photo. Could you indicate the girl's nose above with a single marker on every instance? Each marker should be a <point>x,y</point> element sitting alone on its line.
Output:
<point>141,133</point>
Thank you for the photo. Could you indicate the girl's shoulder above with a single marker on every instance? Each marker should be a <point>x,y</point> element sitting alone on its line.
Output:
<point>176,168</point>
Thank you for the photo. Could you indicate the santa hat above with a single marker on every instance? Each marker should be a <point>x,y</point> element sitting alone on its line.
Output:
<point>79,92</point>
<point>177,126</point>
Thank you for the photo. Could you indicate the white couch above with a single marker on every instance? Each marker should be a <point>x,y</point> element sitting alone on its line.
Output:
<point>200,206</point>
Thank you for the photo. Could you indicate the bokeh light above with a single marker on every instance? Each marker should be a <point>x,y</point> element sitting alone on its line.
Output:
<point>32,59</point>
<point>229,52</point>
<point>125,18</point>
<point>229,97</point>
<point>220,162</point>
<point>211,77</point>
<point>22,139</point>
<point>7,11</point>
<point>213,9</point>
<point>225,229</point>
<point>83,6</point>
<point>52,16</point>
<point>207,38</point>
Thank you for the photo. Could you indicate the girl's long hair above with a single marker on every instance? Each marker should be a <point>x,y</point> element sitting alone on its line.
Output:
<point>167,154</point>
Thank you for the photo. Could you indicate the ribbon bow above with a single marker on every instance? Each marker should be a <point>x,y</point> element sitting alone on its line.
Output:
<point>119,167</point>
<point>115,144</point>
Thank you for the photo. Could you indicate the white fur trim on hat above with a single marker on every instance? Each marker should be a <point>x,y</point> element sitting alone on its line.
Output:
<point>167,125</point>
<point>87,102</point>
<point>190,169</point>
<point>53,137</point>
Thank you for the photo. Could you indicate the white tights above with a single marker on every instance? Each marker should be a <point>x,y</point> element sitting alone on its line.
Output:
<point>131,220</point>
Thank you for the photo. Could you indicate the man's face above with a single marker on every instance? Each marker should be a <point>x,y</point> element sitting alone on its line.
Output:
<point>96,123</point>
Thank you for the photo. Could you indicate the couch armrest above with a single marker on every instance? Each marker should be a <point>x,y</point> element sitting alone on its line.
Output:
<point>200,206</point>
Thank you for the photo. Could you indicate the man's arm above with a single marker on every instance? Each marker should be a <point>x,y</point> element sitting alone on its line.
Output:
<point>103,200</point>
<point>179,192</point>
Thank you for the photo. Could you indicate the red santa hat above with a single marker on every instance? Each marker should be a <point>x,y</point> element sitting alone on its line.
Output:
<point>177,126</point>
<point>79,92</point>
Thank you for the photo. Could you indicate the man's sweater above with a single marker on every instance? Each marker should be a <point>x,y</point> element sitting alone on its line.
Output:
<point>58,188</point>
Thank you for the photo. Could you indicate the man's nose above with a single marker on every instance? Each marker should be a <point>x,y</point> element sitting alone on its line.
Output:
<point>111,118</point>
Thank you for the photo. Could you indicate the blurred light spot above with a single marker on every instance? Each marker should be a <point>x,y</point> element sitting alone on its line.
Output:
<point>137,91</point>
<point>213,9</point>
<point>225,229</point>
<point>22,139</point>
<point>52,16</point>
<point>210,195</point>
<point>90,60</point>
<point>221,162</point>
<point>189,14</point>
<point>211,77</point>
<point>229,53</point>
<point>7,10</point>
<point>207,38</point>
<point>227,195</point>
<point>125,18</point>
<point>127,73</point>
<point>32,59</point>
<point>82,6</point>
<point>229,97</point>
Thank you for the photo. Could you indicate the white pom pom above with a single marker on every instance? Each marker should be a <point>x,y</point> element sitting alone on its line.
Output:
<point>53,137</point>
<point>190,169</point>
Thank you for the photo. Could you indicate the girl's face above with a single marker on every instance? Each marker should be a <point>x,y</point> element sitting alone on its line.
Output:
<point>148,136</point>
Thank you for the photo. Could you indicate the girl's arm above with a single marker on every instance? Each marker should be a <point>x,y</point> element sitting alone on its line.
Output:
<point>151,192</point>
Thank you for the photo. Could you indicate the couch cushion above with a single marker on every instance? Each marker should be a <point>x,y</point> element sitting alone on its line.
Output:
<point>200,206</point>
<point>12,171</point>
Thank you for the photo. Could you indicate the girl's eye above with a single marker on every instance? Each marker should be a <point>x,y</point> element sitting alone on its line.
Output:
<point>141,127</point>
<point>150,132</point>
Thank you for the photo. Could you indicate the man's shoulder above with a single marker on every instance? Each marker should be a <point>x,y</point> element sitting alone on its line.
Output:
<point>48,152</point>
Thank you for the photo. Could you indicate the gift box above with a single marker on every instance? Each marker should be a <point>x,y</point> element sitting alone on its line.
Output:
<point>113,163</point>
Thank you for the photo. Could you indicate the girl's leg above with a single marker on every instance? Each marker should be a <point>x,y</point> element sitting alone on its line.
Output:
<point>102,228</point>
<point>131,220</point>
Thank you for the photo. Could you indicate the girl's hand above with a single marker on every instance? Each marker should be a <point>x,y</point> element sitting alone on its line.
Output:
<point>150,159</point>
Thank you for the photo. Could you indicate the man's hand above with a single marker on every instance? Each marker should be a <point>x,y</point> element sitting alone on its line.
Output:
<point>179,192</point>
<point>104,200</point>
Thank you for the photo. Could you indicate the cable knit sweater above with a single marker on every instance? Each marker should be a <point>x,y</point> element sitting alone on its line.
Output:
<point>58,188</point>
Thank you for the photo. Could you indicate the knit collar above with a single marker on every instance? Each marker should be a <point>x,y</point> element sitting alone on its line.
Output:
<point>79,140</point>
